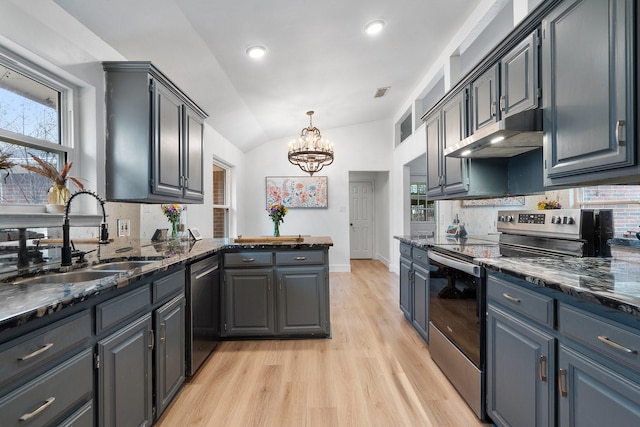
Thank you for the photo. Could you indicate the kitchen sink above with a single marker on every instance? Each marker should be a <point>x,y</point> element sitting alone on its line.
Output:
<point>70,277</point>
<point>120,265</point>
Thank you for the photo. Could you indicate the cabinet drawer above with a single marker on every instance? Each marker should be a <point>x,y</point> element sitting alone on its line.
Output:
<point>116,310</point>
<point>248,259</point>
<point>25,354</point>
<point>299,257</point>
<point>603,335</point>
<point>50,395</point>
<point>420,256</point>
<point>83,417</point>
<point>536,306</point>
<point>405,250</point>
<point>169,285</point>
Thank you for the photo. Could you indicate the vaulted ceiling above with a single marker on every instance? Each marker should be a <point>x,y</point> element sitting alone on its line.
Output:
<point>318,56</point>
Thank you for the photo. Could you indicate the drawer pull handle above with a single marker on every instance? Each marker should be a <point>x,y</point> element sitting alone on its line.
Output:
<point>37,352</point>
<point>562,382</point>
<point>615,345</point>
<point>301,258</point>
<point>510,298</point>
<point>542,372</point>
<point>248,259</point>
<point>42,407</point>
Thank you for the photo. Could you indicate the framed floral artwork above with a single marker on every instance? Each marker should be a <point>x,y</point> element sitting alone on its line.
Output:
<point>297,191</point>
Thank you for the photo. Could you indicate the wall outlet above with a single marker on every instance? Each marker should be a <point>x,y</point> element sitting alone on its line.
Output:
<point>124,227</point>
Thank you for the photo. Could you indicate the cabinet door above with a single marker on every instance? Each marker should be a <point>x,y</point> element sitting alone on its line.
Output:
<point>588,89</point>
<point>453,131</point>
<point>434,159</point>
<point>169,323</point>
<point>167,142</point>
<point>125,376</point>
<point>519,77</point>
<point>249,302</point>
<point>302,300</point>
<point>421,301</point>
<point>591,394</point>
<point>405,287</point>
<point>484,99</point>
<point>520,367</point>
<point>193,155</point>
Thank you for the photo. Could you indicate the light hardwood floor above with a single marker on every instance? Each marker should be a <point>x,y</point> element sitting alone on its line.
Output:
<point>375,371</point>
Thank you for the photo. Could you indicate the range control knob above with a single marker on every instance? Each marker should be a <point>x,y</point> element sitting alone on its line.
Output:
<point>556,219</point>
<point>500,218</point>
<point>570,220</point>
<point>508,218</point>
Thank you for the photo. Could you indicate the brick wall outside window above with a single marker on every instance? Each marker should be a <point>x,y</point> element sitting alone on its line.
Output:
<point>625,216</point>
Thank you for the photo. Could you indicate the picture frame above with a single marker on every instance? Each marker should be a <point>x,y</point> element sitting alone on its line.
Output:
<point>195,234</point>
<point>297,191</point>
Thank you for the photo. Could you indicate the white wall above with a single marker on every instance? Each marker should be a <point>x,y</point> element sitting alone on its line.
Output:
<point>362,147</point>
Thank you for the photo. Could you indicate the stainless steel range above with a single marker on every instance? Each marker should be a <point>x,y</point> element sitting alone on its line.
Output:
<point>457,294</point>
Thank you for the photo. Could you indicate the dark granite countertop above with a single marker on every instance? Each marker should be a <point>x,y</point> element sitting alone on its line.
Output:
<point>610,282</point>
<point>21,303</point>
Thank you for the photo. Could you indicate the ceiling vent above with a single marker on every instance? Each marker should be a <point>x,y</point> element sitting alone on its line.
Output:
<point>381,91</point>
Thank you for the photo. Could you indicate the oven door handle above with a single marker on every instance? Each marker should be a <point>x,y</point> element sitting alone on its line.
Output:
<point>466,267</point>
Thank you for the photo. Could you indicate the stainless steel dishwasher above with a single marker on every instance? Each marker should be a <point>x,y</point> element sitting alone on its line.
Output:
<point>203,311</point>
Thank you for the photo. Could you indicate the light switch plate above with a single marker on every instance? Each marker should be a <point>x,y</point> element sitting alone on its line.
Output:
<point>124,227</point>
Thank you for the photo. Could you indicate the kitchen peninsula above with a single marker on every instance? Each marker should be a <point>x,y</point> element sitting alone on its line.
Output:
<point>123,323</point>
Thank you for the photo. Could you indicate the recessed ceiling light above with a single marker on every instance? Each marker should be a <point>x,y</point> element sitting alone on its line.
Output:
<point>256,52</point>
<point>374,27</point>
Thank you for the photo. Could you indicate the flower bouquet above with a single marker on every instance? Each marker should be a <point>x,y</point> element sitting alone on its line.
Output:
<point>549,204</point>
<point>277,212</point>
<point>173,212</point>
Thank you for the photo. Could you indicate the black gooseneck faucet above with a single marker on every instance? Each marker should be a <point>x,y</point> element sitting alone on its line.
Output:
<point>66,240</point>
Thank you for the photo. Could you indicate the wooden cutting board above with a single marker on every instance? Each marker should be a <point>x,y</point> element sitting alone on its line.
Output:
<point>267,239</point>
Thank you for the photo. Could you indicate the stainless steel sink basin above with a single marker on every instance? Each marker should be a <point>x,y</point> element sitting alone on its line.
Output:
<point>120,265</point>
<point>70,277</point>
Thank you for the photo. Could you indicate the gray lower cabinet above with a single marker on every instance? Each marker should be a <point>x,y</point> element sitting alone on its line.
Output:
<point>125,375</point>
<point>405,287</point>
<point>414,288</point>
<point>169,324</point>
<point>584,364</point>
<point>588,70</point>
<point>250,305</point>
<point>302,300</point>
<point>282,293</point>
<point>51,397</point>
<point>520,386</point>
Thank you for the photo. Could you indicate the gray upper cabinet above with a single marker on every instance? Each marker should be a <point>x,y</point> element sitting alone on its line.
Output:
<point>588,83</point>
<point>154,137</point>
<point>508,87</point>
<point>519,77</point>
<point>484,99</point>
<point>446,126</point>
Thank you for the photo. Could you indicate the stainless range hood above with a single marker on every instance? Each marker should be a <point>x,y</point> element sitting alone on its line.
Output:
<point>508,137</point>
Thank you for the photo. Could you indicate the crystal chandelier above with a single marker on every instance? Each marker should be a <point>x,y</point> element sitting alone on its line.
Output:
<point>310,152</point>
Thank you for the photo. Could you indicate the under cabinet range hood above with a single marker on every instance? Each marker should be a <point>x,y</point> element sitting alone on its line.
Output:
<point>508,137</point>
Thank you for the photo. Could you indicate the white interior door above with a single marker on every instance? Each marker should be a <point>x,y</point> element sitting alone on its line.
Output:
<point>361,219</point>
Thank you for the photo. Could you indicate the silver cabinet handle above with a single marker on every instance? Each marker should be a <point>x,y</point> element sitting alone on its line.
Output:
<point>562,382</point>
<point>163,332</point>
<point>620,138</point>
<point>268,284</point>
<point>510,298</point>
<point>281,283</point>
<point>152,340</point>
<point>301,258</point>
<point>37,352</point>
<point>617,346</point>
<point>207,271</point>
<point>542,372</point>
<point>248,259</point>
<point>42,407</point>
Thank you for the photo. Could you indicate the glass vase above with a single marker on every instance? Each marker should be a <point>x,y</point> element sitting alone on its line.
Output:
<point>174,229</point>
<point>58,194</point>
<point>276,228</point>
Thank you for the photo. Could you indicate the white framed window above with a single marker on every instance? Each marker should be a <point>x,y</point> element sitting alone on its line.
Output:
<point>221,201</point>
<point>35,110</point>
